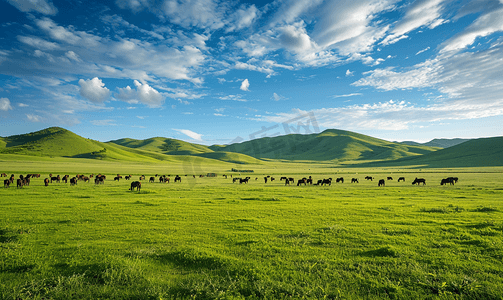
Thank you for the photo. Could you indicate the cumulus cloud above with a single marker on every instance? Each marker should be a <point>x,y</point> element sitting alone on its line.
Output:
<point>143,93</point>
<point>94,90</point>
<point>5,104</point>
<point>40,6</point>
<point>191,134</point>
<point>245,85</point>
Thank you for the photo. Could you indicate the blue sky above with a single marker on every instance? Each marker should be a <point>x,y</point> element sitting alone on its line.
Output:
<point>215,72</point>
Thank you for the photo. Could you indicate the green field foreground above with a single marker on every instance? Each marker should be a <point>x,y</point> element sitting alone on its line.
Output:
<point>207,238</point>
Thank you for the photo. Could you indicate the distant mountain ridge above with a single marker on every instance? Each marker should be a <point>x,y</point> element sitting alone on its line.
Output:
<point>440,143</point>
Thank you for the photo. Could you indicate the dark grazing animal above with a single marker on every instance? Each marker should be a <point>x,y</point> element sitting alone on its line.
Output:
<point>389,178</point>
<point>327,181</point>
<point>178,178</point>
<point>340,179</point>
<point>135,184</point>
<point>401,179</point>
<point>447,180</point>
<point>6,183</point>
<point>354,180</point>
<point>418,181</point>
<point>55,178</point>
<point>381,182</point>
<point>46,182</point>
<point>73,181</point>
<point>301,181</point>
<point>369,178</point>
<point>454,179</point>
<point>152,179</point>
<point>244,180</point>
<point>20,183</point>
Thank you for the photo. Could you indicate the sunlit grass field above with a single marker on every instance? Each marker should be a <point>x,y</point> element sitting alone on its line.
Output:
<point>209,238</point>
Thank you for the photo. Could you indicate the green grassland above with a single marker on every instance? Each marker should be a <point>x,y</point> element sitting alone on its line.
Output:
<point>207,238</point>
<point>210,238</point>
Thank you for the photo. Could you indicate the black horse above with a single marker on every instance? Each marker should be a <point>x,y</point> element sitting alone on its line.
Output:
<point>447,180</point>
<point>135,184</point>
<point>381,182</point>
<point>418,181</point>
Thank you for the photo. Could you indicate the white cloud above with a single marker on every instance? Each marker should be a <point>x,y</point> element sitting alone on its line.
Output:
<point>194,13</point>
<point>349,73</point>
<point>347,25</point>
<point>191,134</point>
<point>245,85</point>
<point>33,118</point>
<point>144,93</point>
<point>40,6</point>
<point>94,90</point>
<point>38,43</point>
<point>5,104</point>
<point>347,95</point>
<point>107,122</point>
<point>420,13</point>
<point>471,81</point>
<point>22,105</point>
<point>277,97</point>
<point>485,25</point>
<point>424,50</point>
<point>243,17</point>
<point>233,98</point>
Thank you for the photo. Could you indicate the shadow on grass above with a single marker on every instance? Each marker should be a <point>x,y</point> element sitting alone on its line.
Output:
<point>381,252</point>
<point>190,260</point>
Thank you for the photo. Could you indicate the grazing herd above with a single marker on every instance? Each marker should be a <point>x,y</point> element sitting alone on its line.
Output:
<point>100,179</point>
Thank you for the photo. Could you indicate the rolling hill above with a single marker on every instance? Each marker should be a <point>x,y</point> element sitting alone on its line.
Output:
<point>163,145</point>
<point>330,145</point>
<point>483,152</point>
<point>59,142</point>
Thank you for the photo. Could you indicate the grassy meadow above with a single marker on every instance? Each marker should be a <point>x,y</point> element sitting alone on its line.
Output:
<point>209,238</point>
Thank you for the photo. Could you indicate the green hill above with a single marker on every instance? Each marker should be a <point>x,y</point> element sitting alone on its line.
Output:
<point>59,142</point>
<point>483,152</point>
<point>330,145</point>
<point>54,141</point>
<point>163,145</point>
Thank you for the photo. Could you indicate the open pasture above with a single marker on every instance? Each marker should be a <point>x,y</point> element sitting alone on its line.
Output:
<point>209,238</point>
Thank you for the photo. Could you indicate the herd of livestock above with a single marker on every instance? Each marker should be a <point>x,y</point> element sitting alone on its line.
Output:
<point>24,180</point>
